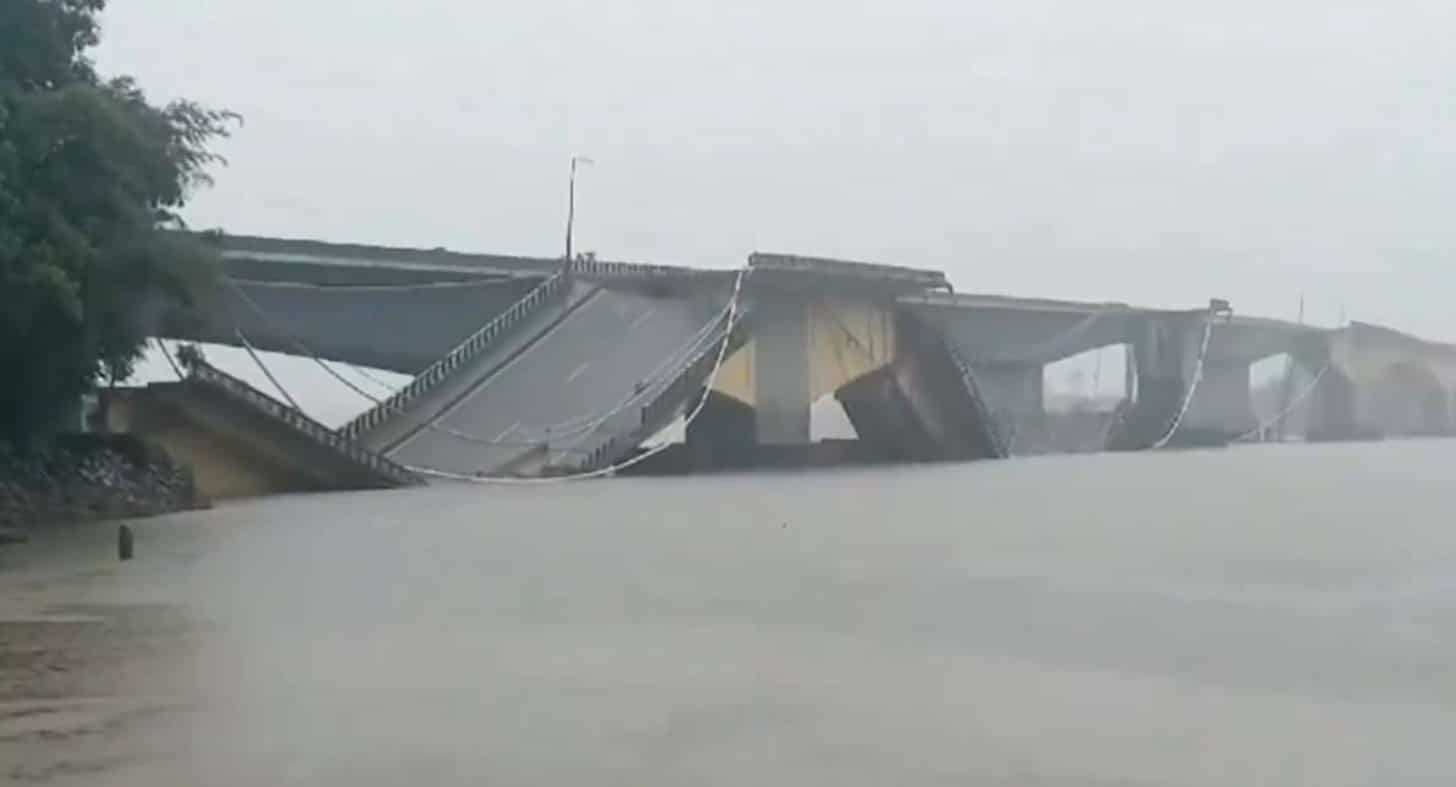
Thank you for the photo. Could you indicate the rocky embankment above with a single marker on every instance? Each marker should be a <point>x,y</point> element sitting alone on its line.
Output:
<point>88,477</point>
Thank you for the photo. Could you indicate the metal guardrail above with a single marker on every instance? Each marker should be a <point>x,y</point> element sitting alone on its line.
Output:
<point>300,423</point>
<point>653,414</point>
<point>553,288</point>
<point>594,269</point>
<point>689,378</point>
<point>281,250</point>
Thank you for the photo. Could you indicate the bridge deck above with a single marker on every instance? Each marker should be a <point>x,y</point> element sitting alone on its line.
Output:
<point>816,272</point>
<point>354,255</point>
<point>966,300</point>
<point>574,379</point>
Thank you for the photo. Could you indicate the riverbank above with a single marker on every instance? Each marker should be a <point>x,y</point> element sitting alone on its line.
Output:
<point>88,659</point>
<point>82,478</point>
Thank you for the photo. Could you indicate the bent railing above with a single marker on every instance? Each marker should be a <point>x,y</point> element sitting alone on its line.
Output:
<point>202,372</point>
<point>999,443</point>
<point>550,290</point>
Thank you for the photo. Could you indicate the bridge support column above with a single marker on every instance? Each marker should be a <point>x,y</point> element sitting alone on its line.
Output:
<point>781,370</point>
<point>1333,409</point>
<point>1165,349</point>
<point>1222,406</point>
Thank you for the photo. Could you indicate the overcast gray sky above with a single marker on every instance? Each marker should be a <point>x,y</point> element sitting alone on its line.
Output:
<point>1140,150</point>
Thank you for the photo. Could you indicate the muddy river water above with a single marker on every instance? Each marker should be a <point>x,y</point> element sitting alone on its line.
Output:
<point>1281,615</point>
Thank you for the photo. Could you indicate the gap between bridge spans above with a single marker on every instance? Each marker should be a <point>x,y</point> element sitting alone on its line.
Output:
<point>296,342</point>
<point>1294,402</point>
<point>1215,308</point>
<point>1037,350</point>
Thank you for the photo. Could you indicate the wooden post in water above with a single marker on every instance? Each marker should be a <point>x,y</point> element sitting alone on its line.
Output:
<point>124,542</point>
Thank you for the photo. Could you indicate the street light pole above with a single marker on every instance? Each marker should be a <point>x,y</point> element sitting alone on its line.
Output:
<point>571,202</point>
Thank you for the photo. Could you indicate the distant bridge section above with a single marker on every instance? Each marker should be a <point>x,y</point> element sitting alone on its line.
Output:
<point>403,328</point>
<point>317,262</point>
<point>1381,382</point>
<point>390,308</point>
<point>1009,341</point>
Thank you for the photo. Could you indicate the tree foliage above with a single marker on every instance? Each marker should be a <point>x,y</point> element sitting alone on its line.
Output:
<point>92,178</point>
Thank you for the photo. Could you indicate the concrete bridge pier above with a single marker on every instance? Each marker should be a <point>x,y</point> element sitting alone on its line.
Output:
<point>1165,352</point>
<point>782,396</point>
<point>1406,400</point>
<point>1333,407</point>
<point>1222,406</point>
<point>1333,410</point>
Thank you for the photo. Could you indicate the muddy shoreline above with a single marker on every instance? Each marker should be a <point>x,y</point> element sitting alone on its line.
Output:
<point>86,478</point>
<point>87,668</point>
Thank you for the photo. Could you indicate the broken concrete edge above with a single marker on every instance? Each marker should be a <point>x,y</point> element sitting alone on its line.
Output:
<point>388,472</point>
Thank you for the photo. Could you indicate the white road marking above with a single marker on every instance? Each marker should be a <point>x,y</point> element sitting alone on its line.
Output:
<point>575,373</point>
<point>513,427</point>
<point>480,385</point>
<point>641,318</point>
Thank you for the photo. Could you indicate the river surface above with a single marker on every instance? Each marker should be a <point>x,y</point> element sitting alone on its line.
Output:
<point>1278,615</point>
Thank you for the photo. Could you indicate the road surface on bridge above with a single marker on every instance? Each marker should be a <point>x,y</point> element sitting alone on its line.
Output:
<point>587,364</point>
